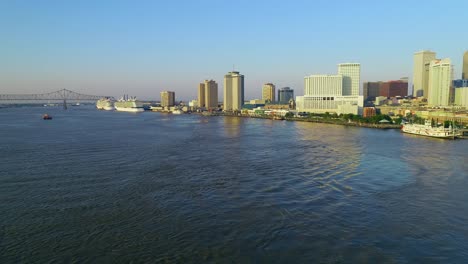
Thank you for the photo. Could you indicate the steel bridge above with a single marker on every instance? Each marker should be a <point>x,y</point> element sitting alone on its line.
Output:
<point>63,95</point>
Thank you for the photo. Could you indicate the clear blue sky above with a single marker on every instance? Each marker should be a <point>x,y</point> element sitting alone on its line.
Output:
<point>143,47</point>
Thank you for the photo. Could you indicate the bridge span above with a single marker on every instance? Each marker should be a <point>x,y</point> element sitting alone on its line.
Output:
<point>63,95</point>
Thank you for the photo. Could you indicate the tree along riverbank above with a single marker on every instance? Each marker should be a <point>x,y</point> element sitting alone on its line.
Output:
<point>316,119</point>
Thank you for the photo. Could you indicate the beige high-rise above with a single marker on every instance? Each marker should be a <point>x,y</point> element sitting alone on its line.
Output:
<point>233,91</point>
<point>208,94</point>
<point>465,65</point>
<point>201,95</point>
<point>211,94</point>
<point>440,82</point>
<point>268,92</point>
<point>422,60</point>
<point>167,98</point>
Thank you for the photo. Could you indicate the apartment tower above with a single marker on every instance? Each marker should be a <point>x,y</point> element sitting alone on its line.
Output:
<point>233,91</point>
<point>201,95</point>
<point>422,60</point>
<point>167,98</point>
<point>208,94</point>
<point>268,92</point>
<point>440,82</point>
<point>211,94</point>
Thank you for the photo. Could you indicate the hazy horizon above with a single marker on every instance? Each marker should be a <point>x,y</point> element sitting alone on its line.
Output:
<point>120,47</point>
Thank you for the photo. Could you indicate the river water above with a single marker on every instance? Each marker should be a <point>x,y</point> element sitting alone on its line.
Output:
<point>98,186</point>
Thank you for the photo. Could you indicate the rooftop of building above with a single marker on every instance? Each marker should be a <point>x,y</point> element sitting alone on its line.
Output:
<point>424,51</point>
<point>349,63</point>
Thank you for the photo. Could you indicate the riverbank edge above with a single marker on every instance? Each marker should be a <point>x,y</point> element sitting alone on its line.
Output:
<point>317,120</point>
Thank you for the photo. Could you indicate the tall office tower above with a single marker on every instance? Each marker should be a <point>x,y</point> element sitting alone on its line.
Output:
<point>167,98</point>
<point>440,82</point>
<point>268,92</point>
<point>201,95</point>
<point>211,94</point>
<point>371,90</point>
<point>422,60</point>
<point>285,94</point>
<point>233,91</point>
<point>323,85</point>
<point>465,65</point>
<point>394,88</point>
<point>351,77</point>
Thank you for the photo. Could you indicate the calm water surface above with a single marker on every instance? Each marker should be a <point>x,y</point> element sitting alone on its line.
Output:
<point>96,186</point>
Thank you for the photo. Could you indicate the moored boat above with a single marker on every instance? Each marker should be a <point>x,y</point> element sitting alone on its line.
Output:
<point>129,105</point>
<point>105,104</point>
<point>430,131</point>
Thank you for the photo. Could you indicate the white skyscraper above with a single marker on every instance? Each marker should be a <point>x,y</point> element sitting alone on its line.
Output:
<point>233,91</point>
<point>333,93</point>
<point>422,60</point>
<point>351,77</point>
<point>440,82</point>
<point>323,85</point>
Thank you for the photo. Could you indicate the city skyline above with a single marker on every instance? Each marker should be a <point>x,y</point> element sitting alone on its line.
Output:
<point>141,50</point>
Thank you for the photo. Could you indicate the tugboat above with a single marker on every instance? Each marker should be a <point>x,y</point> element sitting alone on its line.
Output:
<point>46,117</point>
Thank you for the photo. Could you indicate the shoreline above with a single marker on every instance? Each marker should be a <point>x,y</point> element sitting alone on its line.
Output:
<point>316,120</point>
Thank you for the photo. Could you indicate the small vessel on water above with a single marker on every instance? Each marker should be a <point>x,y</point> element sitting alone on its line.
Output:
<point>129,105</point>
<point>431,131</point>
<point>46,117</point>
<point>177,112</point>
<point>105,104</point>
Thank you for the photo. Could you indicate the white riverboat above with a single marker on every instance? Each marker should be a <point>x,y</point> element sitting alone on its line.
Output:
<point>430,131</point>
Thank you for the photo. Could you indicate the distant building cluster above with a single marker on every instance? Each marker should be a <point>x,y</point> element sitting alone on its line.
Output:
<point>341,93</point>
<point>433,80</point>
<point>333,93</point>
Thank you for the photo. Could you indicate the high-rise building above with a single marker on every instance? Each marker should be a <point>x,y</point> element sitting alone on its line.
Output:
<point>394,88</point>
<point>461,96</point>
<point>323,85</point>
<point>268,92</point>
<point>211,94</point>
<point>440,82</point>
<point>461,92</point>
<point>208,94</point>
<point>465,65</point>
<point>422,60</point>
<point>167,98</point>
<point>371,90</point>
<point>333,93</point>
<point>460,83</point>
<point>233,91</point>
<point>351,77</point>
<point>201,95</point>
<point>285,94</point>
